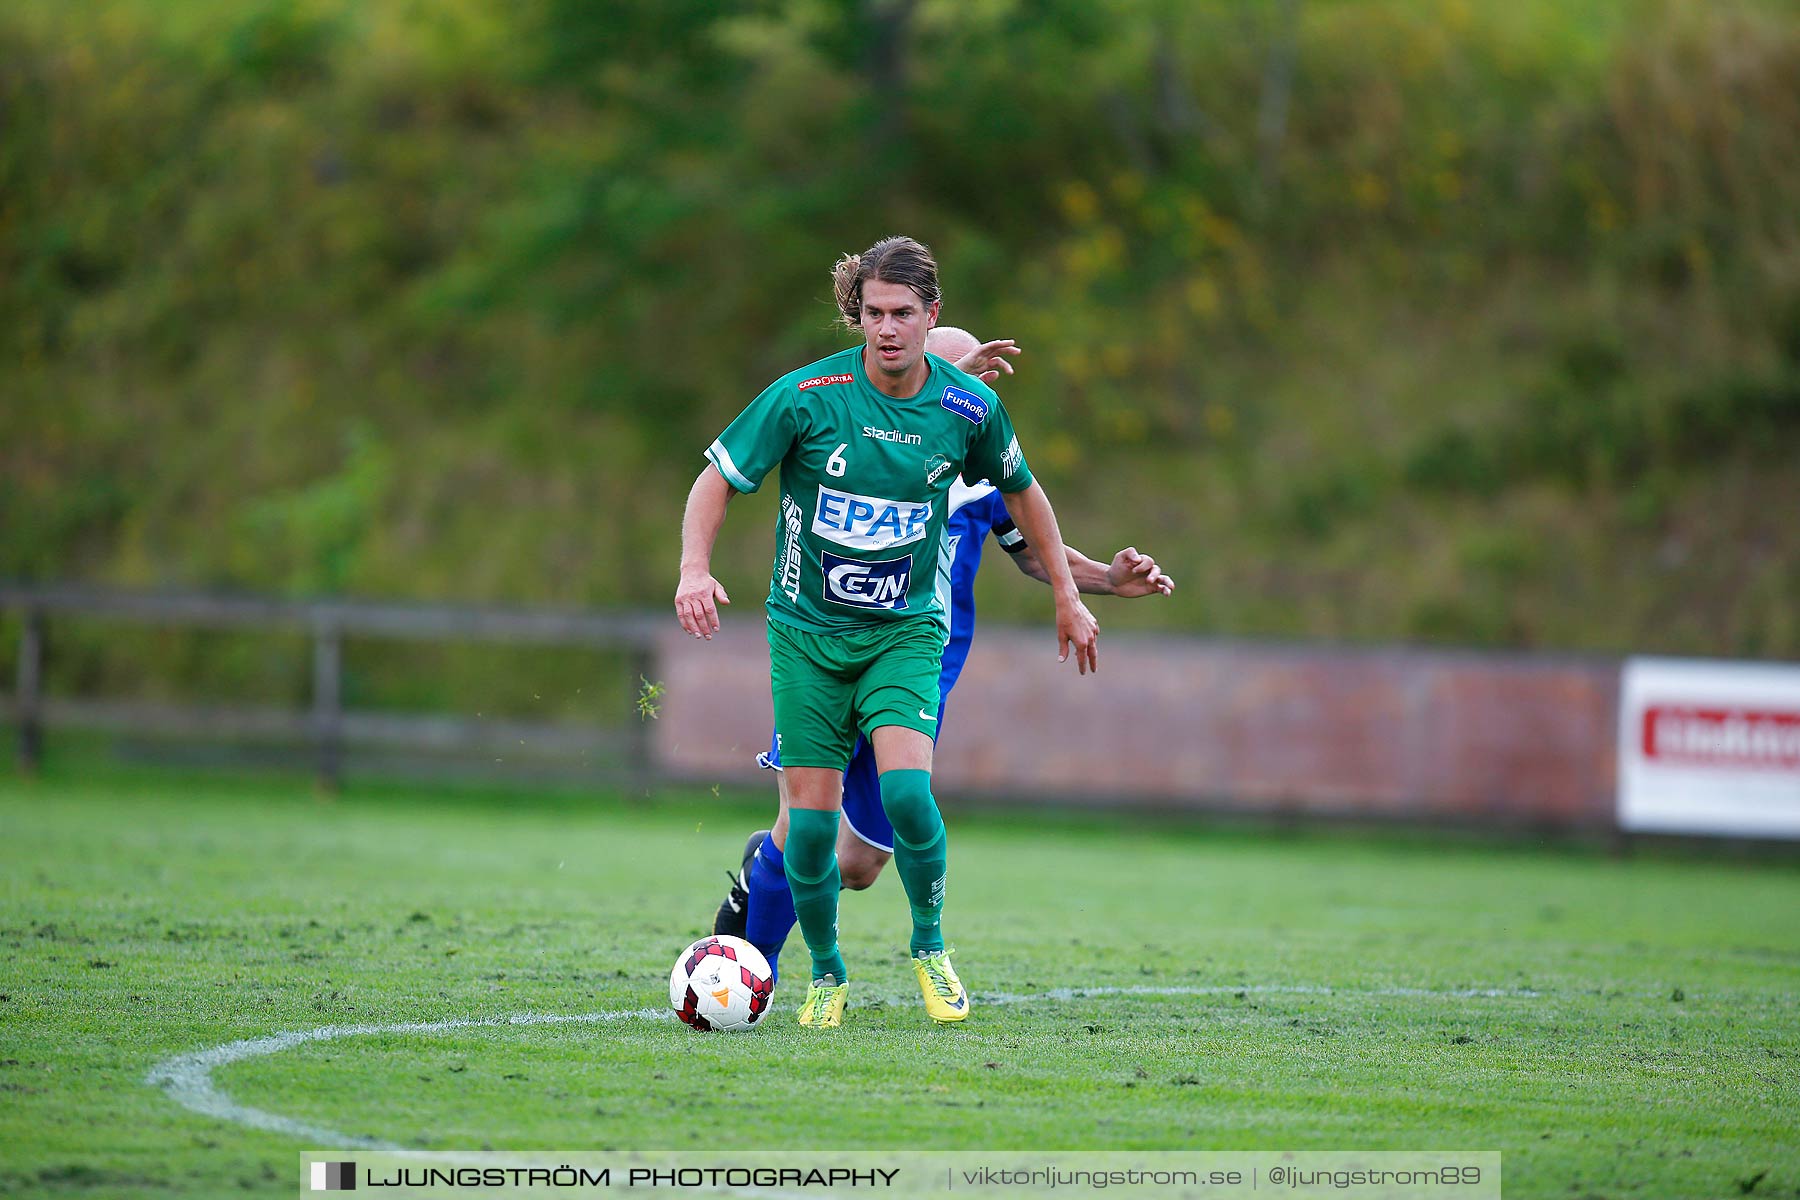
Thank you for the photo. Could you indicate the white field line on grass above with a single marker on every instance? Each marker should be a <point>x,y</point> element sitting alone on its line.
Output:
<point>187,1078</point>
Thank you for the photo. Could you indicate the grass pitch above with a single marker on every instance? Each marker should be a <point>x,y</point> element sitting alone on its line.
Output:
<point>1616,1028</point>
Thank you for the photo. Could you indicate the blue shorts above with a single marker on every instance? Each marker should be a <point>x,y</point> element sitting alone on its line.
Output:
<point>862,790</point>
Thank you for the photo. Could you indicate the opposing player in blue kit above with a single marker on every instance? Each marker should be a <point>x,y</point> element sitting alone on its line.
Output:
<point>759,906</point>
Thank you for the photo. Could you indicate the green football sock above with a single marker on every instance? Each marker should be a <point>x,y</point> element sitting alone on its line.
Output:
<point>810,861</point>
<point>921,852</point>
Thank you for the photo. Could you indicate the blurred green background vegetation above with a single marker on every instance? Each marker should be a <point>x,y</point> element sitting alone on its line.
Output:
<point>1451,321</point>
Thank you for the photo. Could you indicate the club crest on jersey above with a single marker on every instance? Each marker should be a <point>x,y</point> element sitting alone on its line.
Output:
<point>869,522</point>
<point>935,469</point>
<point>965,404</point>
<point>857,584</point>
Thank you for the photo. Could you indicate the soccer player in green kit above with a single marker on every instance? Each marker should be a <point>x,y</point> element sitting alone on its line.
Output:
<point>868,441</point>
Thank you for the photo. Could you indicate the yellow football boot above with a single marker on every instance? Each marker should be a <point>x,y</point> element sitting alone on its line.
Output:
<point>945,998</point>
<point>824,1007</point>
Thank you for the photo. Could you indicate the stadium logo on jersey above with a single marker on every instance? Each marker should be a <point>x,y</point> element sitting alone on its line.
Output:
<point>965,404</point>
<point>1012,460</point>
<point>878,585</point>
<point>869,522</point>
<point>823,381</point>
<point>793,520</point>
<point>892,435</point>
<point>934,470</point>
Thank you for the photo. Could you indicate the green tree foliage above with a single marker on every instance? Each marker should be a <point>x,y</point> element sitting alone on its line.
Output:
<point>1373,319</point>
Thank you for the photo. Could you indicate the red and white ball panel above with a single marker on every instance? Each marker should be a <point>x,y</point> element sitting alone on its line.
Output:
<point>721,982</point>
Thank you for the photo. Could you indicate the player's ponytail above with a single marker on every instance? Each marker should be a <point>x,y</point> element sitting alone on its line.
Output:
<point>891,260</point>
<point>846,283</point>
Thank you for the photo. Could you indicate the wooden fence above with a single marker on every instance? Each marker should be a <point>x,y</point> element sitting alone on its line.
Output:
<point>326,726</point>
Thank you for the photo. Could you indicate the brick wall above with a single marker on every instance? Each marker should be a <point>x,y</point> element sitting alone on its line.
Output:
<point>1511,740</point>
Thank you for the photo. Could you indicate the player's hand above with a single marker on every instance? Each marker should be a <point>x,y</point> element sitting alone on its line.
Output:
<point>697,598</point>
<point>1076,627</point>
<point>988,361</point>
<point>1135,574</point>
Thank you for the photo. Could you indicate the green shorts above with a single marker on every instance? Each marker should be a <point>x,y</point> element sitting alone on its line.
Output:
<point>829,688</point>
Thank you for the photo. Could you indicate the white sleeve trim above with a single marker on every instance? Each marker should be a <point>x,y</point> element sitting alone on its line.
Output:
<point>721,458</point>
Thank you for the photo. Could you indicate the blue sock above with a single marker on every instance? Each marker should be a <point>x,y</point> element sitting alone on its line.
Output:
<point>770,916</point>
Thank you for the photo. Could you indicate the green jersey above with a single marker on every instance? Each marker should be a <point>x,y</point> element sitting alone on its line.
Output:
<point>865,482</point>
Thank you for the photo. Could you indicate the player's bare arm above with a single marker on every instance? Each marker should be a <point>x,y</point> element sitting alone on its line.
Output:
<point>1130,574</point>
<point>698,595</point>
<point>1075,625</point>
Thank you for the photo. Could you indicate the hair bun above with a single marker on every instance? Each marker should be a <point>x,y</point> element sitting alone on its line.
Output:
<point>844,289</point>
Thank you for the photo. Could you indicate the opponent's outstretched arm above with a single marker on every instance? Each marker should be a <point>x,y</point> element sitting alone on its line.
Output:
<point>698,595</point>
<point>987,361</point>
<point>1130,573</point>
<point>1075,625</point>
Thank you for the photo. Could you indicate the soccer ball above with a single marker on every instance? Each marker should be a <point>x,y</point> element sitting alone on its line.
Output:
<point>721,983</point>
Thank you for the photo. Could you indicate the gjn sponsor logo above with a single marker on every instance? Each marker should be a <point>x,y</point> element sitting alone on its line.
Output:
<point>872,585</point>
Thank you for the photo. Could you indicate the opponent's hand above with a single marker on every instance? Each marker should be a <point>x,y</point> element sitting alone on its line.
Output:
<point>1135,574</point>
<point>1076,627</point>
<point>988,361</point>
<point>697,598</point>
